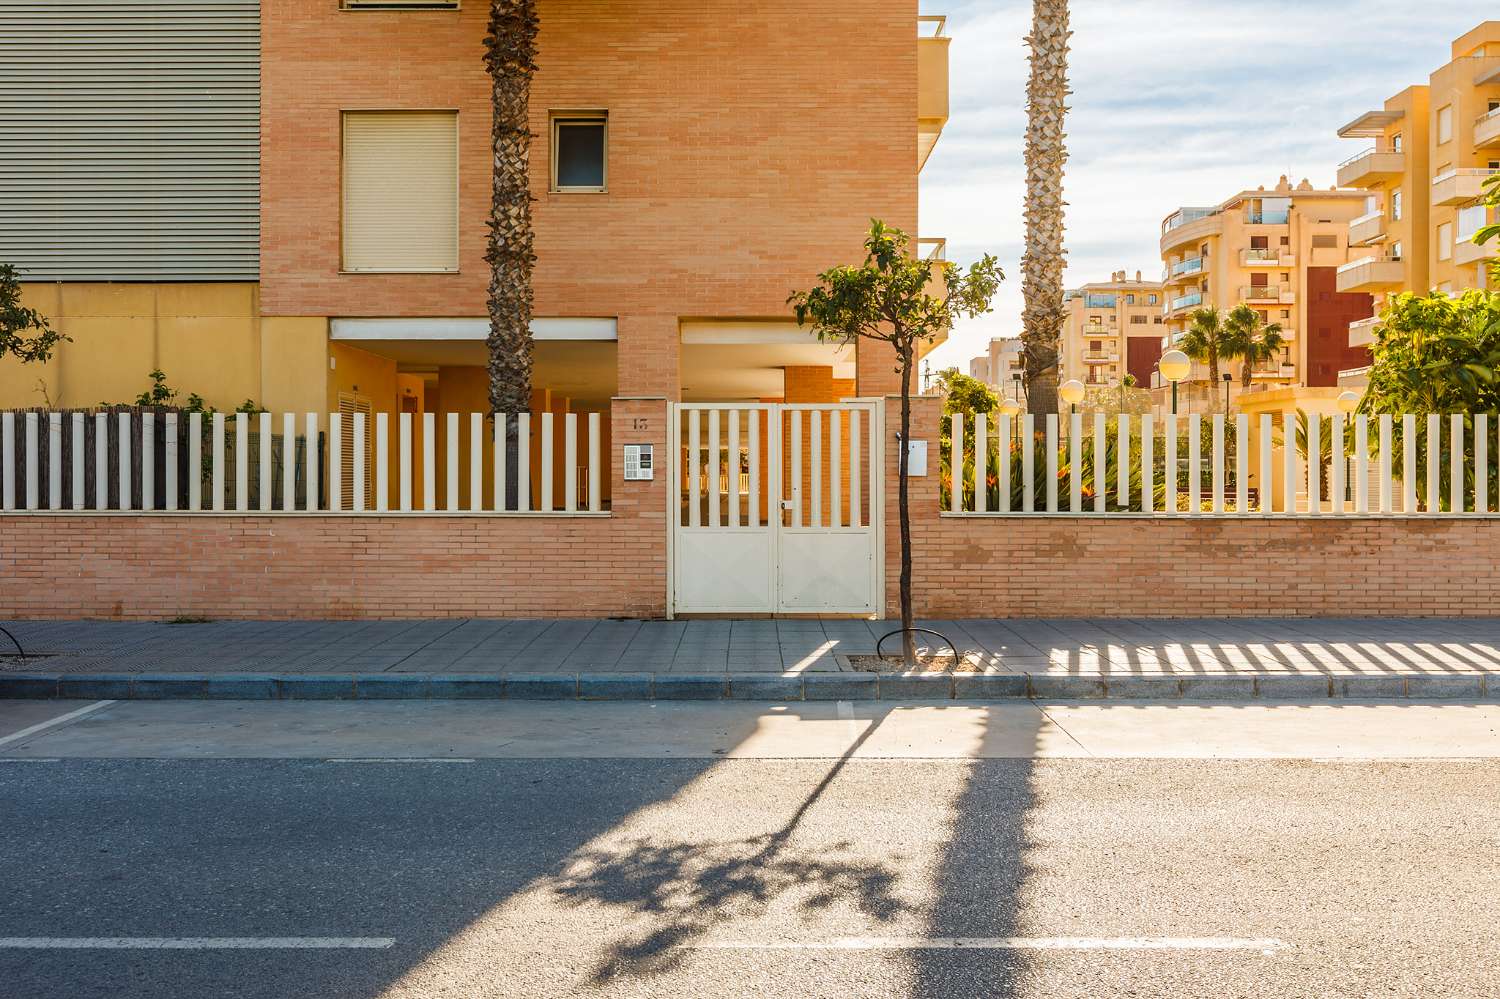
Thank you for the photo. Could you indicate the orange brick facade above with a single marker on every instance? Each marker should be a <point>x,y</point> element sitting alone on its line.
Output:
<point>749,146</point>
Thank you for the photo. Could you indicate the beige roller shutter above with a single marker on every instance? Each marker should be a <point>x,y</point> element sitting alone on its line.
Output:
<point>400,191</point>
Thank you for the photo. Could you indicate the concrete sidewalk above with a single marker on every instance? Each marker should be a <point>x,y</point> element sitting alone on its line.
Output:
<point>752,659</point>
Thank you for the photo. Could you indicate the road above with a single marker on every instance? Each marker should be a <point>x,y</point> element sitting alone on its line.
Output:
<point>839,850</point>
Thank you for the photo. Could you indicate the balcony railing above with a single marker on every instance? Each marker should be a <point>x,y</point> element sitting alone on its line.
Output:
<point>931,25</point>
<point>1185,215</point>
<point>1186,301</point>
<point>1099,301</point>
<point>1459,186</point>
<point>1261,255</point>
<point>1192,265</point>
<point>934,248</point>
<point>1101,358</point>
<point>1096,329</point>
<point>1267,218</point>
<point>1262,292</point>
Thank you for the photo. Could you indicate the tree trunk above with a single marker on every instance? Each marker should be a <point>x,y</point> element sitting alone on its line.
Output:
<point>510,58</point>
<point>1046,153</point>
<point>908,640</point>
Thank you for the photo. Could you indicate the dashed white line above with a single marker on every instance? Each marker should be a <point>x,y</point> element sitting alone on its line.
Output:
<point>1265,946</point>
<point>196,943</point>
<point>27,733</point>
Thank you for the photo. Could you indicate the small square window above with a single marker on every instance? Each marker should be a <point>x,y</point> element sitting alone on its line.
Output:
<point>579,151</point>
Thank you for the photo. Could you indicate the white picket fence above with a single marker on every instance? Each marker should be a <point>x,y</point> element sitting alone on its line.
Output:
<point>379,463</point>
<point>1414,464</point>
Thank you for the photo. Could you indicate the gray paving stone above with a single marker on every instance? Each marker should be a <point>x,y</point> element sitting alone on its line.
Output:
<point>1045,686</point>
<point>986,686</point>
<point>169,686</point>
<point>915,686</point>
<point>241,687</point>
<point>690,686</point>
<point>1449,687</point>
<point>541,686</point>
<point>1143,687</point>
<point>390,686</point>
<point>315,687</point>
<point>466,687</point>
<point>29,686</point>
<point>1218,688</point>
<point>614,686</point>
<point>1292,687</point>
<point>1369,686</point>
<point>93,686</point>
<point>755,687</point>
<point>840,686</point>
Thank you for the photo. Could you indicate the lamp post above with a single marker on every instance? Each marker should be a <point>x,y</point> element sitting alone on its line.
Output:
<point>1174,367</point>
<point>1071,392</point>
<point>1015,379</point>
<point>1012,410</point>
<point>1348,401</point>
<point>1228,380</point>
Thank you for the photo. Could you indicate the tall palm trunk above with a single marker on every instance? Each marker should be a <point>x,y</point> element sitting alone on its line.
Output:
<point>1046,152</point>
<point>510,58</point>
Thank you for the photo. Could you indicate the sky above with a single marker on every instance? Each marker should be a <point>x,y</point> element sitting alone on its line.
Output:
<point>1175,102</point>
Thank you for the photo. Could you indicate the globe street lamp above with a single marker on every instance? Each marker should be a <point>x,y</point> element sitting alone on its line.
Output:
<point>1071,392</point>
<point>1348,401</point>
<point>1174,367</point>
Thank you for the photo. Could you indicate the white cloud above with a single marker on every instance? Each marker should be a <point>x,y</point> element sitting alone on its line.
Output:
<point>1176,102</point>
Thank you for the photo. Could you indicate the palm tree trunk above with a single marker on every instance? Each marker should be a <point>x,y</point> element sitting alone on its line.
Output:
<point>510,58</point>
<point>908,640</point>
<point>1046,152</point>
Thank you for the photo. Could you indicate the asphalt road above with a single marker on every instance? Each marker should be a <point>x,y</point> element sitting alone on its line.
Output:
<point>663,877</point>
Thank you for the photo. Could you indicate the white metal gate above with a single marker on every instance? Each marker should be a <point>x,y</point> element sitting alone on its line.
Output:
<point>777,508</point>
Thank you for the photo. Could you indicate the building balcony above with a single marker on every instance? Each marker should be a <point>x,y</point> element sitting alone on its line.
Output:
<point>1097,329</point>
<point>1271,257</point>
<point>1278,293</point>
<point>1186,270</point>
<point>1371,274</point>
<point>1189,301</point>
<point>1459,187</point>
<point>1367,229</point>
<point>1101,358</point>
<point>1377,165</point>
<point>1188,225</point>
<point>1487,130</point>
<point>1253,217</point>
<point>1362,331</point>
<point>1466,251</point>
<point>932,84</point>
<point>1273,371</point>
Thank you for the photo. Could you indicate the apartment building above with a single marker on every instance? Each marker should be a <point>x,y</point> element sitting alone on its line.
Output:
<point>1113,328</point>
<point>1001,367</point>
<point>1434,146</point>
<point>286,200</point>
<point>1278,251</point>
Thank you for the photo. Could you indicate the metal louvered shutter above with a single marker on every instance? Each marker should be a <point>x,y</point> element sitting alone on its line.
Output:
<point>400,191</point>
<point>130,139</point>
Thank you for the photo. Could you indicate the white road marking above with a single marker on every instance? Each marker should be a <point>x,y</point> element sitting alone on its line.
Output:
<point>1265,946</point>
<point>196,943</point>
<point>401,759</point>
<point>27,733</point>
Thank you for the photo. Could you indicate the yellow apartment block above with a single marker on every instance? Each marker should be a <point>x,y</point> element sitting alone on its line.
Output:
<point>1002,368</point>
<point>1278,251</point>
<point>1114,328</point>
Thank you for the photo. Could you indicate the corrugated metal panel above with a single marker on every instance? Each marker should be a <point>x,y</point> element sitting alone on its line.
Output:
<point>130,139</point>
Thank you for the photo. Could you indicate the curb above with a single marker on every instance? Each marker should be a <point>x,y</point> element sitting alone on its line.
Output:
<point>741,687</point>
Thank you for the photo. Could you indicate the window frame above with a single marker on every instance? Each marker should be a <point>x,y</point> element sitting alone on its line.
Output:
<point>558,118</point>
<point>356,6</point>
<point>1443,117</point>
<point>1445,241</point>
<point>344,269</point>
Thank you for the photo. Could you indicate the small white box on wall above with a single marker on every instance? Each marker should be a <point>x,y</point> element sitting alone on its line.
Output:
<point>916,458</point>
<point>639,464</point>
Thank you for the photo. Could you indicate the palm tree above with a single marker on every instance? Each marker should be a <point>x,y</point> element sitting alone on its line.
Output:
<point>510,58</point>
<point>1207,340</point>
<point>1046,152</point>
<point>1252,340</point>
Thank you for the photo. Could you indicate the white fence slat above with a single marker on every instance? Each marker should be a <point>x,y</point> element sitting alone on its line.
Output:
<point>732,469</point>
<point>796,445</point>
<point>219,469</point>
<point>1434,458</point>
<point>101,461</point>
<point>476,462</point>
<point>815,432</point>
<point>835,468</point>
<point>1289,477</point>
<point>33,480</point>
<point>429,461</point>
<point>1101,464</point>
<point>310,457</point>
<point>1267,476</point>
<point>695,452</point>
<point>1456,464</point>
<point>1004,434</point>
<point>1028,463</point>
<point>403,461</point>
<point>359,473</point>
<point>1148,471</point>
<point>382,462</point>
<point>1075,463</point>
<point>1216,479</point>
<point>335,462</point>
<point>1122,460</point>
<point>148,461</point>
<point>450,454</point>
<point>1408,463</point>
<point>956,465</point>
<point>523,462</point>
<point>714,468</point>
<point>1169,453</point>
<point>8,461</point>
<point>1361,463</point>
<point>127,490</point>
<point>548,457</point>
<point>288,461</point>
<point>1385,462</point>
<point>981,462</point>
<point>263,477</point>
<point>169,458</point>
<point>1052,445</point>
<point>1195,459</point>
<point>79,499</point>
<point>54,461</point>
<point>1314,464</point>
<point>1338,464</point>
<point>570,462</point>
<point>752,513</point>
<point>1481,464</point>
<point>596,501</point>
<point>1241,464</point>
<point>498,447</point>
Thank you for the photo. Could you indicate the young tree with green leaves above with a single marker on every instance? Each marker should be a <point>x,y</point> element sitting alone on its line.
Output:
<point>24,332</point>
<point>1252,340</point>
<point>888,299</point>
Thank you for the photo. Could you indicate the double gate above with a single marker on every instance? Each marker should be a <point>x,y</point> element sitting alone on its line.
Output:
<point>777,508</point>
